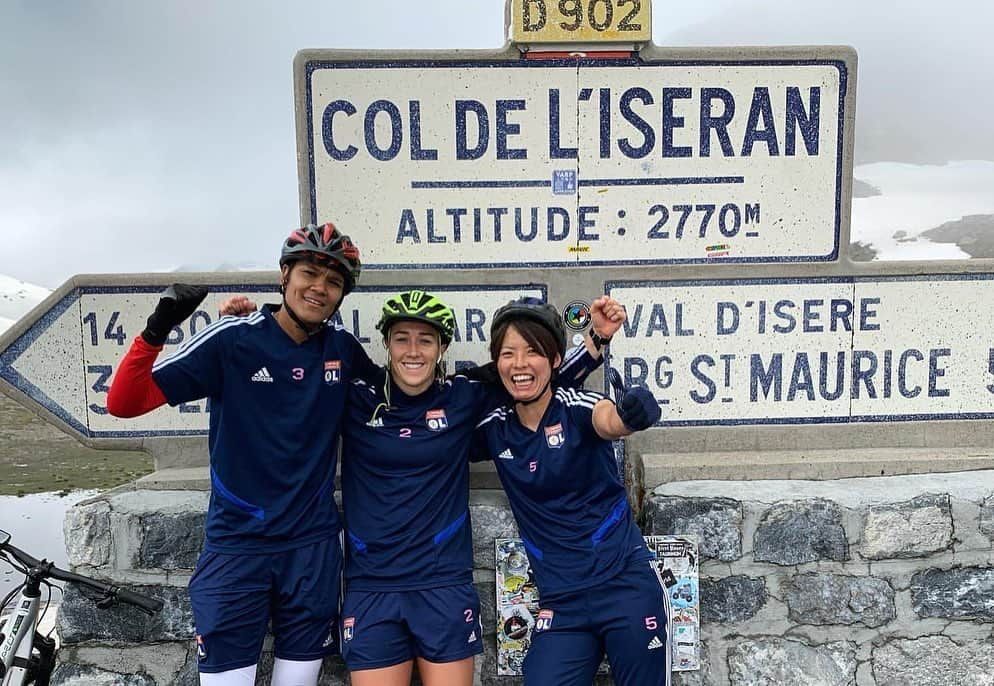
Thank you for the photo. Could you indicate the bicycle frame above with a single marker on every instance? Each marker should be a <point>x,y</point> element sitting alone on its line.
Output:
<point>15,651</point>
<point>25,655</point>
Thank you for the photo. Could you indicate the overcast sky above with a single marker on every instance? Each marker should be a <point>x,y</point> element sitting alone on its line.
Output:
<point>140,136</point>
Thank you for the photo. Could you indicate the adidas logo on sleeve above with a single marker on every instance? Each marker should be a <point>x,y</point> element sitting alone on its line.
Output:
<point>655,643</point>
<point>263,376</point>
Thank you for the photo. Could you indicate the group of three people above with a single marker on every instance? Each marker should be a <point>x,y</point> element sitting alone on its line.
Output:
<point>285,383</point>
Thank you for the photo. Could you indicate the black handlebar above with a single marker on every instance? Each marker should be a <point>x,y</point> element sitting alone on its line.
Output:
<point>47,570</point>
<point>149,606</point>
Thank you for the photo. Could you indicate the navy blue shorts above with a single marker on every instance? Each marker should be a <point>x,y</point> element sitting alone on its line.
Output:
<point>380,629</point>
<point>625,617</point>
<point>235,597</point>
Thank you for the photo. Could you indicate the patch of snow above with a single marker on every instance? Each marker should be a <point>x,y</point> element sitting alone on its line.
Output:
<point>916,198</point>
<point>17,298</point>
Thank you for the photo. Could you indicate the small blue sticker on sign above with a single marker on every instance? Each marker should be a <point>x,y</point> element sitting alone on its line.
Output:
<point>564,181</point>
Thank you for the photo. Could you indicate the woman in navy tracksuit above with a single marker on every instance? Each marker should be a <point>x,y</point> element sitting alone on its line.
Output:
<point>599,589</point>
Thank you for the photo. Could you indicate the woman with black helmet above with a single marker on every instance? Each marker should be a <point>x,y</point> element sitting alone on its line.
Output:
<point>552,450</point>
<point>277,382</point>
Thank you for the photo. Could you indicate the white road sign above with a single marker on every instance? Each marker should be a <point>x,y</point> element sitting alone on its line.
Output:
<point>65,361</point>
<point>444,163</point>
<point>811,350</point>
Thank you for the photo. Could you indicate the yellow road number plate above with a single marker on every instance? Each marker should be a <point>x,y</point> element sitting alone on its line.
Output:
<point>580,21</point>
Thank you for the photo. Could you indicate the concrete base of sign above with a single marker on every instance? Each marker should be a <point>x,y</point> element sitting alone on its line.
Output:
<point>812,464</point>
<point>855,437</point>
<point>481,476</point>
<point>177,479</point>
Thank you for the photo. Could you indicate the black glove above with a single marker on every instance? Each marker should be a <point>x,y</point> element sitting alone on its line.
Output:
<point>177,303</point>
<point>638,408</point>
<point>486,373</point>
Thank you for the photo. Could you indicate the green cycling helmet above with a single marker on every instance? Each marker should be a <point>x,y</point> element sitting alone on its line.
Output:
<point>419,306</point>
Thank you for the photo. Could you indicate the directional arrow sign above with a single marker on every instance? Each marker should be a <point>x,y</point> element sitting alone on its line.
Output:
<point>824,350</point>
<point>63,355</point>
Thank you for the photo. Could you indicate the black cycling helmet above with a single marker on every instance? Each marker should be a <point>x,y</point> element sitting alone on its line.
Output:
<point>324,245</point>
<point>536,310</point>
<point>418,306</point>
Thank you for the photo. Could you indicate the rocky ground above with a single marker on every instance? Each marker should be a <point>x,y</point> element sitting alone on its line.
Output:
<point>973,234</point>
<point>36,457</point>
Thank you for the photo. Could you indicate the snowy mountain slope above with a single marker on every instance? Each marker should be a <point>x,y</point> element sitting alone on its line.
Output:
<point>17,298</point>
<point>914,199</point>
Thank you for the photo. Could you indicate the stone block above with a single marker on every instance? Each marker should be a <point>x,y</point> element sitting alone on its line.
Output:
<point>966,593</point>
<point>914,528</point>
<point>799,531</point>
<point>987,517</point>
<point>145,665</point>
<point>717,523</point>
<point>771,660</point>
<point>87,533</point>
<point>731,599</point>
<point>839,599</point>
<point>81,620</point>
<point>170,541</point>
<point>491,517</point>
<point>88,675</point>
<point>933,661</point>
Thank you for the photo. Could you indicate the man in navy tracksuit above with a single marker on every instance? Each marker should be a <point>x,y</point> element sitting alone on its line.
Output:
<point>277,382</point>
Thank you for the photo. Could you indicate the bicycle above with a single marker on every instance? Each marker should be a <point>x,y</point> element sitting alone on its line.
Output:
<point>27,657</point>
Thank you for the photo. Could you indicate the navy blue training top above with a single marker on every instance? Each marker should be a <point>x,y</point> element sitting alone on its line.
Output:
<point>567,497</point>
<point>405,484</point>
<point>275,415</point>
<point>405,479</point>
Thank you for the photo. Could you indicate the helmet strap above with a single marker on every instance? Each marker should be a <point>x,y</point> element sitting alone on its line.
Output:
<point>309,332</point>
<point>440,367</point>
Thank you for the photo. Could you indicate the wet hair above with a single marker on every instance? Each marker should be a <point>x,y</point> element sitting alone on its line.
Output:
<point>535,334</point>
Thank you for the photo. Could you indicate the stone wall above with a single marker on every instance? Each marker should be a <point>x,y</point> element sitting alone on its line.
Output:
<point>875,582</point>
<point>150,540</point>
<point>884,581</point>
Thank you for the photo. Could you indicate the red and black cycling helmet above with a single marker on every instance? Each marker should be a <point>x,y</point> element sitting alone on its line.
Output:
<point>326,246</point>
<point>536,310</point>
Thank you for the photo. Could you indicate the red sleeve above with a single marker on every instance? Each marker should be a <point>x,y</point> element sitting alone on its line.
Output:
<point>133,391</point>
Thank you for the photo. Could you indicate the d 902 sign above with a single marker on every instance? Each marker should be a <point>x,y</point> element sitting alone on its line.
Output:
<point>580,21</point>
